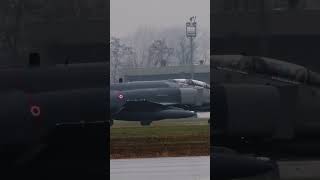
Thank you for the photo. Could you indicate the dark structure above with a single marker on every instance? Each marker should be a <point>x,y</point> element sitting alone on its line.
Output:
<point>281,29</point>
<point>53,31</point>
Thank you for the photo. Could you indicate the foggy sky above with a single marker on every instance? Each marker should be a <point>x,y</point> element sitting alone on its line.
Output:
<point>128,15</point>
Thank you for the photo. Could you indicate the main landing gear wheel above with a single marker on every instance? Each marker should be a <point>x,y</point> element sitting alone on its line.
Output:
<point>145,123</point>
<point>111,122</point>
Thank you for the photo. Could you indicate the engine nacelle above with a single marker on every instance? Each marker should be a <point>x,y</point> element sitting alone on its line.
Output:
<point>246,110</point>
<point>195,96</point>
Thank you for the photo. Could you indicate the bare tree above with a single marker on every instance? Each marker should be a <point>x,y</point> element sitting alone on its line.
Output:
<point>182,52</point>
<point>175,37</point>
<point>159,53</point>
<point>121,55</point>
<point>115,56</point>
<point>11,15</point>
<point>140,40</point>
<point>203,50</point>
<point>129,57</point>
<point>12,19</point>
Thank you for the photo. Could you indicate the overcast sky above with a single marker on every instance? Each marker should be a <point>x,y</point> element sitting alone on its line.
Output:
<point>128,15</point>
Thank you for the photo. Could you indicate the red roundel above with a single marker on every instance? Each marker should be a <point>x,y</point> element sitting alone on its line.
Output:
<point>120,96</point>
<point>35,111</point>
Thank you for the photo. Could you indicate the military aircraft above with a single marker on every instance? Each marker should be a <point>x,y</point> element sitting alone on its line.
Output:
<point>94,75</point>
<point>49,115</point>
<point>148,101</point>
<point>265,106</point>
<point>184,93</point>
<point>160,84</point>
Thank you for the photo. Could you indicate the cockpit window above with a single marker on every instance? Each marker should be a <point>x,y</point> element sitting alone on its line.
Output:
<point>191,82</point>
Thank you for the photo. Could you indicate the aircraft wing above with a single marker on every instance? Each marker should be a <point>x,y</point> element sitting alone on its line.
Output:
<point>138,110</point>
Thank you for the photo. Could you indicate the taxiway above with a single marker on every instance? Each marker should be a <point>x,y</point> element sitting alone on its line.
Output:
<point>184,168</point>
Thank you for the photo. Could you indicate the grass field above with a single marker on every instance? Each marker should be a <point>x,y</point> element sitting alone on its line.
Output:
<point>168,138</point>
<point>162,139</point>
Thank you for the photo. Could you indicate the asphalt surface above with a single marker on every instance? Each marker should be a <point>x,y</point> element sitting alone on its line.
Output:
<point>299,170</point>
<point>197,168</point>
<point>184,168</point>
<point>203,115</point>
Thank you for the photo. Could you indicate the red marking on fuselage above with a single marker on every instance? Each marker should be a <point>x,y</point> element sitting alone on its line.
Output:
<point>120,96</point>
<point>35,111</point>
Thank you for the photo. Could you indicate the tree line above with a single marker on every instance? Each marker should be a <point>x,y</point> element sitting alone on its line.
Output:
<point>149,47</point>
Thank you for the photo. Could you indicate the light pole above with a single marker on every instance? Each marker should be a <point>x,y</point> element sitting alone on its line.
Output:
<point>191,32</point>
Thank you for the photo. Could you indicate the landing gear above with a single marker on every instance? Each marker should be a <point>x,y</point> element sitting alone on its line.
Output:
<point>111,122</point>
<point>145,123</point>
<point>209,121</point>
